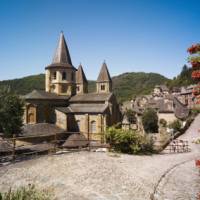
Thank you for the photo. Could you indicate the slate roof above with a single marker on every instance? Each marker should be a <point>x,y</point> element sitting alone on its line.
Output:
<point>40,129</point>
<point>162,87</point>
<point>104,74</point>
<point>41,94</point>
<point>75,140</point>
<point>181,111</point>
<point>80,75</point>
<point>91,97</point>
<point>62,56</point>
<point>84,108</point>
<point>166,105</point>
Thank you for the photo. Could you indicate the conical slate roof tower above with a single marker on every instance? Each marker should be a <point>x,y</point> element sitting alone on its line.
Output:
<point>104,81</point>
<point>104,74</point>
<point>81,81</point>
<point>60,74</point>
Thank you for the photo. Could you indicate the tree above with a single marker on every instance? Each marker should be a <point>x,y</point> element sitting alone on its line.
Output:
<point>175,125</point>
<point>131,116</point>
<point>150,121</point>
<point>11,112</point>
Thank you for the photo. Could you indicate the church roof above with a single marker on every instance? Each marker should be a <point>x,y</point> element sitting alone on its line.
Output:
<point>84,108</point>
<point>104,75</point>
<point>41,94</point>
<point>80,75</point>
<point>40,129</point>
<point>91,97</point>
<point>62,56</point>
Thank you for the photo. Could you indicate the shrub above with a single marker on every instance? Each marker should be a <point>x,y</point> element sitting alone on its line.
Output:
<point>175,125</point>
<point>26,193</point>
<point>128,141</point>
<point>163,122</point>
<point>131,116</point>
<point>150,121</point>
<point>11,112</point>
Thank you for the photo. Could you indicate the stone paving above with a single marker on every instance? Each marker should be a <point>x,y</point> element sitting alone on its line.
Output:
<point>104,176</point>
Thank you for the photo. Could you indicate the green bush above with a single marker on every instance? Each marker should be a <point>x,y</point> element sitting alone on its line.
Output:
<point>150,121</point>
<point>128,141</point>
<point>195,111</point>
<point>163,122</point>
<point>176,125</point>
<point>26,193</point>
<point>131,115</point>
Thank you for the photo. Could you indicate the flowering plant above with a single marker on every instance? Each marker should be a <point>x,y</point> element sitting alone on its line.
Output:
<point>194,48</point>
<point>196,90</point>
<point>196,74</point>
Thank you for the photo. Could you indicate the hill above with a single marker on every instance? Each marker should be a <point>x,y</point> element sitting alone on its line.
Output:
<point>183,79</point>
<point>124,86</point>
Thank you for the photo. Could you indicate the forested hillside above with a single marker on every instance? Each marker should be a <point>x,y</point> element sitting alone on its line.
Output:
<point>124,86</point>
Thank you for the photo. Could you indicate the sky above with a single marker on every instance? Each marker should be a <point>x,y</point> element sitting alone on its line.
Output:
<point>130,35</point>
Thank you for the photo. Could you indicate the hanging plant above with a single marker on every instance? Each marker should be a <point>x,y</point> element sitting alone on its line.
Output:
<point>196,74</point>
<point>195,64</point>
<point>196,90</point>
<point>194,48</point>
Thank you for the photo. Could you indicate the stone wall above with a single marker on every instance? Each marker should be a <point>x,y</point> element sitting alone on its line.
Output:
<point>169,117</point>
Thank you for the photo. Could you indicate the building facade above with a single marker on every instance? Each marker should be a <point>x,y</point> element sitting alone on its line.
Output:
<point>66,101</point>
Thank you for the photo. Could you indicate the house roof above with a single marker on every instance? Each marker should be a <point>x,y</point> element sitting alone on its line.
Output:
<point>80,75</point>
<point>162,87</point>
<point>83,108</point>
<point>181,111</point>
<point>166,105</point>
<point>75,140</point>
<point>91,97</point>
<point>104,74</point>
<point>61,56</point>
<point>40,129</point>
<point>41,94</point>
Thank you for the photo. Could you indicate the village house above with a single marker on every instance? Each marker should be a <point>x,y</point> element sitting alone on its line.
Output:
<point>66,102</point>
<point>168,107</point>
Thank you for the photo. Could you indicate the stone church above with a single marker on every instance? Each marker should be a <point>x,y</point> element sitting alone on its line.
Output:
<point>66,101</point>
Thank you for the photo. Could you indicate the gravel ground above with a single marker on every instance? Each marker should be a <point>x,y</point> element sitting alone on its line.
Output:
<point>103,176</point>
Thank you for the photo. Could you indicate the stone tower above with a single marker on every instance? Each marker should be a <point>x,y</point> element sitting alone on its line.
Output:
<point>81,81</point>
<point>60,74</point>
<point>104,82</point>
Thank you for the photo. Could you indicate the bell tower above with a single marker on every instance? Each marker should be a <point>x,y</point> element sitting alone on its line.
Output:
<point>81,81</point>
<point>60,74</point>
<point>104,81</point>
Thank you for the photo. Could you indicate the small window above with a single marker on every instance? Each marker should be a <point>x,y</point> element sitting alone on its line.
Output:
<point>72,76</point>
<point>78,88</point>
<point>93,127</point>
<point>102,87</point>
<point>78,125</point>
<point>54,75</point>
<point>64,76</point>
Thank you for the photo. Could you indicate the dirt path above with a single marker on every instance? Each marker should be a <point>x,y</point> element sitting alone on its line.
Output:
<point>182,181</point>
<point>101,176</point>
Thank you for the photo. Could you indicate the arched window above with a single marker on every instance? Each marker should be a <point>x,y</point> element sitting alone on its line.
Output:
<point>54,75</point>
<point>78,125</point>
<point>102,87</point>
<point>93,127</point>
<point>64,76</point>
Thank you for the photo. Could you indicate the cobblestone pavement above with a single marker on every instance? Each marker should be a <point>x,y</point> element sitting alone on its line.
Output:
<point>102,176</point>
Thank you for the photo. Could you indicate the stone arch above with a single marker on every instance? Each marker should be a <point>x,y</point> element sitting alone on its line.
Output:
<point>31,114</point>
<point>93,126</point>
